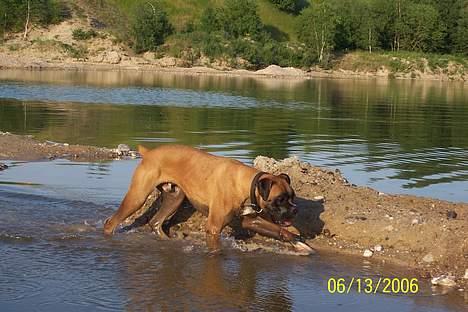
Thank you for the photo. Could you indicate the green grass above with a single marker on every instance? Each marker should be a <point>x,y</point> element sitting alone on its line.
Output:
<point>181,12</point>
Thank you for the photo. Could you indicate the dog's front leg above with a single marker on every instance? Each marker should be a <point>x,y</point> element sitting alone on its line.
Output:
<point>217,220</point>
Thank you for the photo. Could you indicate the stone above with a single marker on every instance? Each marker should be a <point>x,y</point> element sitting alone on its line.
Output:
<point>444,280</point>
<point>414,221</point>
<point>367,253</point>
<point>123,148</point>
<point>319,198</point>
<point>466,274</point>
<point>451,214</point>
<point>3,166</point>
<point>378,248</point>
<point>112,57</point>
<point>428,258</point>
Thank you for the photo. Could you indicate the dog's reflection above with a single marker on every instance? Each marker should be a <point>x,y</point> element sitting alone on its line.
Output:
<point>183,282</point>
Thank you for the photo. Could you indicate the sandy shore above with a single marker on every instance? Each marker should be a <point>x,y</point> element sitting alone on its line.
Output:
<point>428,235</point>
<point>15,61</point>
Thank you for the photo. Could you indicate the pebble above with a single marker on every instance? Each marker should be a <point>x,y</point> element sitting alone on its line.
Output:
<point>414,221</point>
<point>451,214</point>
<point>378,248</point>
<point>319,198</point>
<point>123,148</point>
<point>444,280</point>
<point>466,274</point>
<point>3,166</point>
<point>428,258</point>
<point>367,253</point>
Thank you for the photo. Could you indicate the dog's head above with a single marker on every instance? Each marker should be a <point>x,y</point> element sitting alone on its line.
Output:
<point>277,198</point>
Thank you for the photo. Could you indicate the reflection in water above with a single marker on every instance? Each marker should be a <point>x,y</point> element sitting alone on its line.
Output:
<point>397,136</point>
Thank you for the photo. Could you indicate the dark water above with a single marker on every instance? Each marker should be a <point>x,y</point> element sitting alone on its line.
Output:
<point>405,137</point>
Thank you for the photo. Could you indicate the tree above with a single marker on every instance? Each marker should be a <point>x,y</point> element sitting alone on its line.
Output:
<point>460,36</point>
<point>240,19</point>
<point>421,29</point>
<point>290,6</point>
<point>210,20</point>
<point>316,28</point>
<point>150,27</point>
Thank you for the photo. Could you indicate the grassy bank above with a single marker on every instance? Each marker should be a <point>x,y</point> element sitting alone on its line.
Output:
<point>412,63</point>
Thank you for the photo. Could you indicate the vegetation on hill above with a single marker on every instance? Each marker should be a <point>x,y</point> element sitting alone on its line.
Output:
<point>255,33</point>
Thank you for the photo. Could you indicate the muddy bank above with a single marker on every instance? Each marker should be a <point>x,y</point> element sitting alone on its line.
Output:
<point>18,147</point>
<point>428,235</point>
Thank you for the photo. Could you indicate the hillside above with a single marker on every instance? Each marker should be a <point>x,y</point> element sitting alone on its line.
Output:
<point>233,37</point>
<point>181,12</point>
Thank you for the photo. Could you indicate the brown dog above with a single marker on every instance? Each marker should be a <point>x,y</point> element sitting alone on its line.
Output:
<point>218,187</point>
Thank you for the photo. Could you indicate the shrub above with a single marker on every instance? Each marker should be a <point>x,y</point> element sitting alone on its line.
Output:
<point>80,34</point>
<point>150,27</point>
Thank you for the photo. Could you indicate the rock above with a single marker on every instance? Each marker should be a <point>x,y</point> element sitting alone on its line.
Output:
<point>112,57</point>
<point>444,280</point>
<point>414,221</point>
<point>3,166</point>
<point>378,248</point>
<point>428,258</point>
<point>319,198</point>
<point>166,61</point>
<point>466,274</point>
<point>367,253</point>
<point>149,56</point>
<point>451,214</point>
<point>123,149</point>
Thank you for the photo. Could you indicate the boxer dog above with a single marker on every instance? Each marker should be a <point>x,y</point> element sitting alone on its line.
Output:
<point>218,187</point>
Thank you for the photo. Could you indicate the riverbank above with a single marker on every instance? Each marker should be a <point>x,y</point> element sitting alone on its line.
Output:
<point>429,236</point>
<point>56,48</point>
<point>173,65</point>
<point>26,148</point>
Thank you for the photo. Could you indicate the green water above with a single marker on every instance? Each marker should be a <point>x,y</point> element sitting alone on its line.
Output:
<point>396,136</point>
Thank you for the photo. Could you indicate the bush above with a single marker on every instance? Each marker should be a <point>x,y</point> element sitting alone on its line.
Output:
<point>290,6</point>
<point>80,34</point>
<point>150,27</point>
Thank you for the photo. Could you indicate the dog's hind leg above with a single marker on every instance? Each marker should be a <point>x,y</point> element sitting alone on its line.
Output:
<point>143,183</point>
<point>171,199</point>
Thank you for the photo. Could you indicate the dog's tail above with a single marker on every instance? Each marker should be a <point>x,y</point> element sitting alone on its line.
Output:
<point>142,150</point>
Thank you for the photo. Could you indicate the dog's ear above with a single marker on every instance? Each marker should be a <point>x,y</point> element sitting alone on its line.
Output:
<point>142,150</point>
<point>285,177</point>
<point>264,187</point>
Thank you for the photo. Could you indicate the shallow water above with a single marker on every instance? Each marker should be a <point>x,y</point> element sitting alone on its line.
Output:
<point>399,137</point>
<point>55,258</point>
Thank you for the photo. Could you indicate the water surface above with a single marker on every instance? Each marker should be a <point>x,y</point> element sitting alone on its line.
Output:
<point>396,136</point>
<point>55,258</point>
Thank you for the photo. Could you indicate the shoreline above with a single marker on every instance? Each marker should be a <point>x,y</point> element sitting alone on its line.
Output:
<point>426,235</point>
<point>9,62</point>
